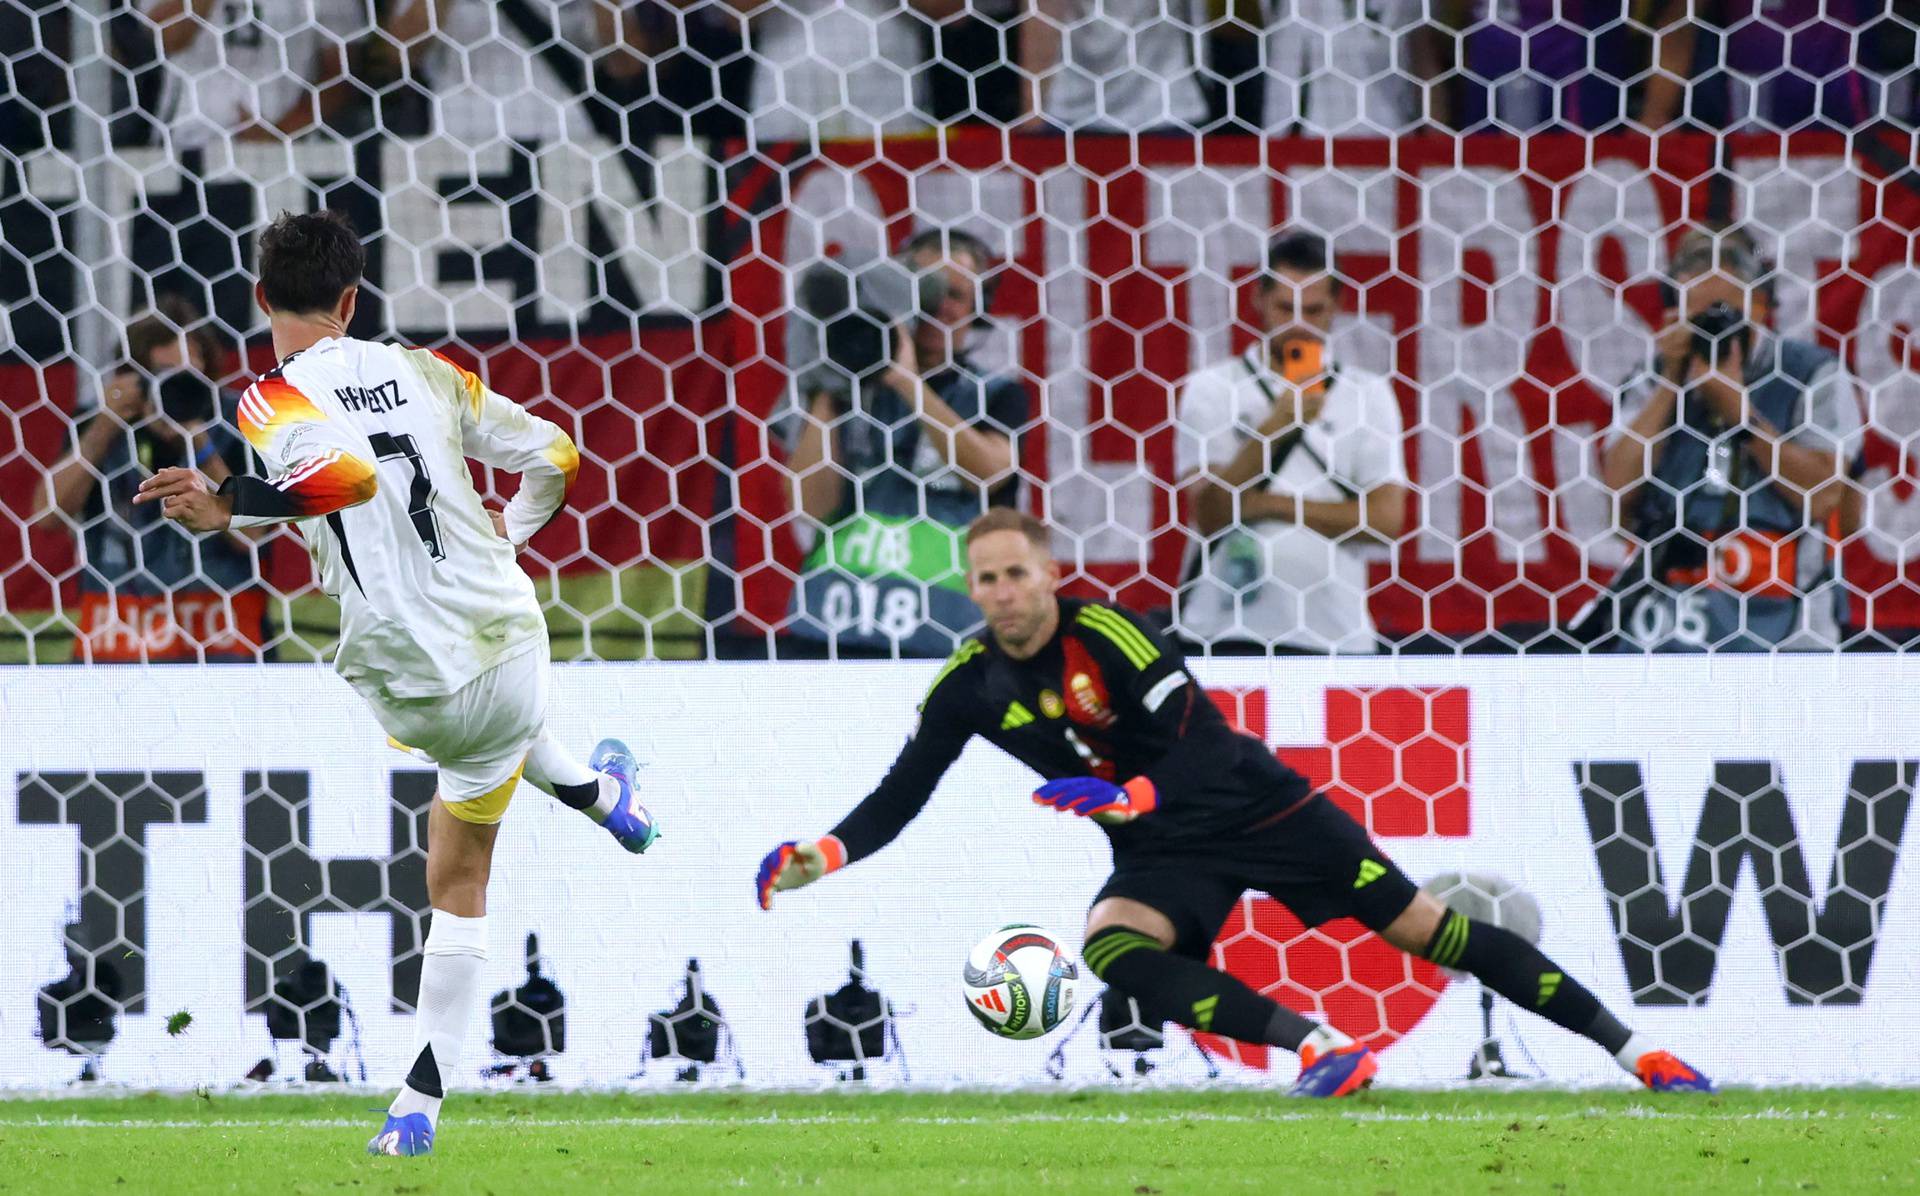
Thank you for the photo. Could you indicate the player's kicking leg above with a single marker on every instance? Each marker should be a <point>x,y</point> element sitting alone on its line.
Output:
<point>606,788</point>
<point>460,842</point>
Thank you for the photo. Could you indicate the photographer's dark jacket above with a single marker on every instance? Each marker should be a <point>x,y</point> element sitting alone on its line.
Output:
<point>888,573</point>
<point>148,590</point>
<point>1758,582</point>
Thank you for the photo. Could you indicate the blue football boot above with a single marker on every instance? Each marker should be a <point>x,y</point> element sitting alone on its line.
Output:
<point>1340,1072</point>
<point>407,1137</point>
<point>629,822</point>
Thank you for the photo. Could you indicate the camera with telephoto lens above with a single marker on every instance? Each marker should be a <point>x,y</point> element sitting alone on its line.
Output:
<point>851,316</point>
<point>304,1008</point>
<point>853,1025</point>
<point>183,395</point>
<point>1715,328</point>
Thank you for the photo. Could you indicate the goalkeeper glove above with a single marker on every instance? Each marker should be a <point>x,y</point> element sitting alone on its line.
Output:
<point>792,864</point>
<point>1102,801</point>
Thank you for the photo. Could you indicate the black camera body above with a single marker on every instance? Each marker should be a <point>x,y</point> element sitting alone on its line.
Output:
<point>187,397</point>
<point>78,1011</point>
<point>1124,1028</point>
<point>691,1031</point>
<point>1715,328</point>
<point>530,1022</point>
<point>849,1025</point>
<point>304,1007</point>
<point>853,314</point>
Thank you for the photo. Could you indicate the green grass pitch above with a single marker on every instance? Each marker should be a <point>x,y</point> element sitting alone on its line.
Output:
<point>1087,1140</point>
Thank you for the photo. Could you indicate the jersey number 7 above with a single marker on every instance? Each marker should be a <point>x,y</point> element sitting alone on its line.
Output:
<point>420,497</point>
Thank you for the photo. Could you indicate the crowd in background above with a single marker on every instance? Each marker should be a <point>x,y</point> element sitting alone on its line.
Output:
<point>193,73</point>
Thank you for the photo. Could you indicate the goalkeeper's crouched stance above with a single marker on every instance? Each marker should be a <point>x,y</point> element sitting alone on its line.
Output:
<point>1197,813</point>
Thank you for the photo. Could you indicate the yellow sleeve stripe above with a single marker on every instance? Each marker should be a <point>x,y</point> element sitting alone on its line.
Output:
<point>564,457</point>
<point>472,390</point>
<point>1132,642</point>
<point>968,651</point>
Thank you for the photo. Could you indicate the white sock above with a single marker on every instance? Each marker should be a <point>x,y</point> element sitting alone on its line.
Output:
<point>455,951</point>
<point>1324,1038</point>
<point>1628,1056</point>
<point>549,765</point>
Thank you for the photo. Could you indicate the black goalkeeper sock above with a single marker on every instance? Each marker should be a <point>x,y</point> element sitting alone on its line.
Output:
<point>1520,972</point>
<point>1174,988</point>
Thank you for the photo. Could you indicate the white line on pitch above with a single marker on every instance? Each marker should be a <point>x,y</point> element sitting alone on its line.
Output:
<point>1379,1115</point>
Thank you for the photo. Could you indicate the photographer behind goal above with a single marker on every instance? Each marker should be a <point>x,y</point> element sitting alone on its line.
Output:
<point>896,442</point>
<point>1727,455</point>
<point>148,591</point>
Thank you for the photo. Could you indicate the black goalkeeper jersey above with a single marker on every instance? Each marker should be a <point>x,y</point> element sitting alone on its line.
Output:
<point>1108,697</point>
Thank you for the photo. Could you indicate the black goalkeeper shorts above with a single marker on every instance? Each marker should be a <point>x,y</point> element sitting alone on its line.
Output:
<point>1314,859</point>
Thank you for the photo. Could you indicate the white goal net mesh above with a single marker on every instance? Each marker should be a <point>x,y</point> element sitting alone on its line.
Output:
<point>1396,330</point>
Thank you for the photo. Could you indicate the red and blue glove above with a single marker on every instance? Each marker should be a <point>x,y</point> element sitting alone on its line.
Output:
<point>1102,801</point>
<point>793,864</point>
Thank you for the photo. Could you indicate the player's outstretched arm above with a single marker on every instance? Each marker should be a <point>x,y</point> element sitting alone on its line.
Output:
<point>946,723</point>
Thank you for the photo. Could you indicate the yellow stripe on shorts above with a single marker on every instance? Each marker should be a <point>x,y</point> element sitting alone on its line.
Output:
<point>490,807</point>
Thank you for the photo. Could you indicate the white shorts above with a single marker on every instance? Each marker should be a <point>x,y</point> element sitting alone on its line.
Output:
<point>478,736</point>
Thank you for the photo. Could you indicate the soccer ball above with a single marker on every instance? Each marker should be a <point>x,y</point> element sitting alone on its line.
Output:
<point>1019,983</point>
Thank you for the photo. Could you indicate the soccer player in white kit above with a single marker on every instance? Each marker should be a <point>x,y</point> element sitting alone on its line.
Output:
<point>440,632</point>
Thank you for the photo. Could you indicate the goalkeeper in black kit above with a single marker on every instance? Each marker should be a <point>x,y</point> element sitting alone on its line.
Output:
<point>1197,813</point>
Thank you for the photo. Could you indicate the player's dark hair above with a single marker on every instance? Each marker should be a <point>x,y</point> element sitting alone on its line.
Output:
<point>308,261</point>
<point>1006,519</point>
<point>1300,252</point>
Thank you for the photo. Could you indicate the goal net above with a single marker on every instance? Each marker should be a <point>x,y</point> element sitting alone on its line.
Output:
<point>1599,655</point>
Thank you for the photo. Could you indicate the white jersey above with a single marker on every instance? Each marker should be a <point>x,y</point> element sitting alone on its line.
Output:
<point>835,69</point>
<point>367,446</point>
<point>249,61</point>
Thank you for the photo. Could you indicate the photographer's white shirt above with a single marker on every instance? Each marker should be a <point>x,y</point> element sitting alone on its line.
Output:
<point>1275,583</point>
<point>492,87</point>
